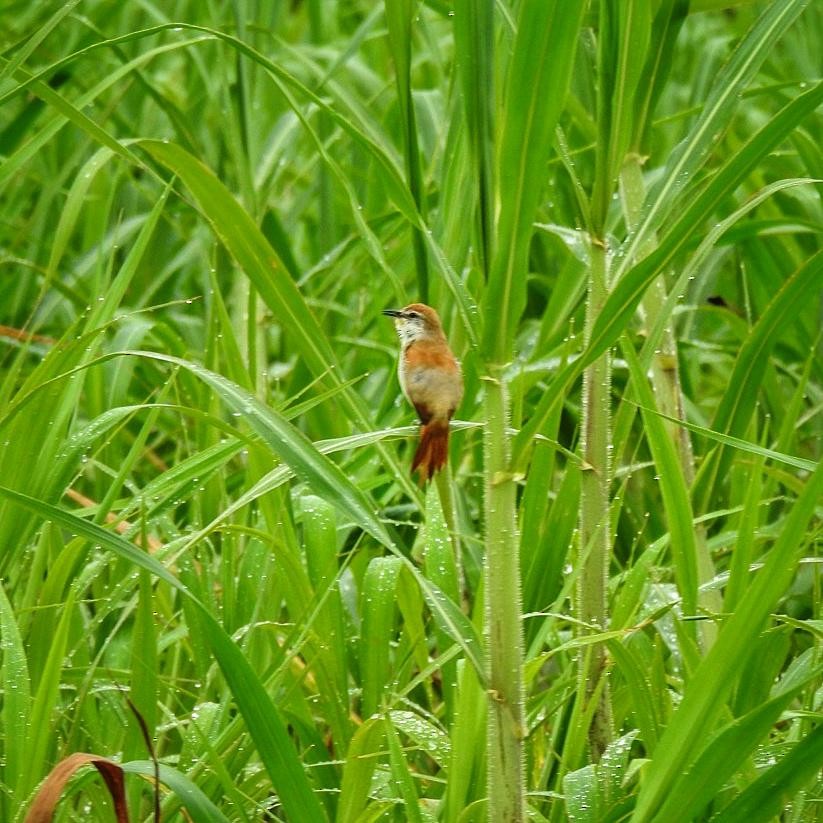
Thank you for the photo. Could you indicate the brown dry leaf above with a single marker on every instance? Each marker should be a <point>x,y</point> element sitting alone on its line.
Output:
<point>46,800</point>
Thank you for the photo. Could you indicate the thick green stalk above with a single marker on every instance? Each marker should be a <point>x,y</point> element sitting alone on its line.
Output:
<point>504,640</point>
<point>665,378</point>
<point>595,527</point>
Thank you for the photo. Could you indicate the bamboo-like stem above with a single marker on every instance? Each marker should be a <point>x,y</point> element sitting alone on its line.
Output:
<point>504,634</point>
<point>595,527</point>
<point>665,378</point>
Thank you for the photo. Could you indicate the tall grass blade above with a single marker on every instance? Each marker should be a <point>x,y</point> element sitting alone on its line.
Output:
<point>16,709</point>
<point>535,92</point>
<point>399,18</point>
<point>193,800</point>
<point>474,44</point>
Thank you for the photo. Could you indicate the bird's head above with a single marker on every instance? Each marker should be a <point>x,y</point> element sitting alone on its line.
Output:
<point>415,322</point>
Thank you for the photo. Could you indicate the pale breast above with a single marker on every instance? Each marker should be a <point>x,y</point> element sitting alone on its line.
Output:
<point>431,377</point>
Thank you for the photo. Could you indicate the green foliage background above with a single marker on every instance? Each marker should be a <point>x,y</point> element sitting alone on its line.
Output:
<point>205,504</point>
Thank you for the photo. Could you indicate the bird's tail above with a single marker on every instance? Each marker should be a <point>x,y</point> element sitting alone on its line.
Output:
<point>433,449</point>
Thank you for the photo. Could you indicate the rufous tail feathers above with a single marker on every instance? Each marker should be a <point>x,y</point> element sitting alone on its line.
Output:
<point>433,449</point>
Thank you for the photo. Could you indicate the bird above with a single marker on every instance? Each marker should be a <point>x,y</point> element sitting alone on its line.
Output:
<point>431,381</point>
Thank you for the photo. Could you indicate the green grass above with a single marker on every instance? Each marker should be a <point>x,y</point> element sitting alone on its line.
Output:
<point>609,609</point>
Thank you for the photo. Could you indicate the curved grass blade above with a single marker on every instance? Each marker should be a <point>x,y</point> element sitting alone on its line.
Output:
<point>673,488</point>
<point>193,800</point>
<point>724,754</point>
<point>48,797</point>
<point>292,446</point>
<point>737,443</point>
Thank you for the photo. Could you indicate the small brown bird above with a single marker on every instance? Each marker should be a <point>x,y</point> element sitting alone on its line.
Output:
<point>430,378</point>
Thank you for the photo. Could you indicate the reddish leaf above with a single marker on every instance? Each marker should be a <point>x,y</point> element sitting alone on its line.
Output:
<point>46,800</point>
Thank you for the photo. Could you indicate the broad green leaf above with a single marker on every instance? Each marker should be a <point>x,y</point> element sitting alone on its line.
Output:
<point>428,736</point>
<point>582,791</point>
<point>366,746</point>
<point>378,616</point>
<point>613,770</point>
<point>16,710</point>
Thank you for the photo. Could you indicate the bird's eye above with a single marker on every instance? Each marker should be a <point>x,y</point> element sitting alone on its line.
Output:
<point>414,314</point>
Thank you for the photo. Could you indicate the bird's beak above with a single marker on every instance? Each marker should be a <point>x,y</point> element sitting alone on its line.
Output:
<point>392,312</point>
